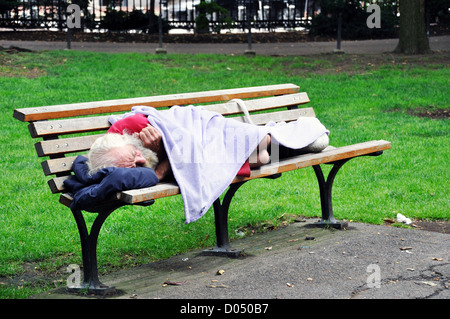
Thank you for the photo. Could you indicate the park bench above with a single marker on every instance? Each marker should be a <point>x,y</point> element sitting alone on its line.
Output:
<point>63,129</point>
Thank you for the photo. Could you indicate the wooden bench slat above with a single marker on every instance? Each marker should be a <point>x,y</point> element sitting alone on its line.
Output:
<point>121,105</point>
<point>160,190</point>
<point>66,145</point>
<point>57,184</point>
<point>58,165</point>
<point>66,199</point>
<point>329,155</point>
<point>89,124</point>
<point>254,105</point>
<point>68,126</point>
<point>280,116</point>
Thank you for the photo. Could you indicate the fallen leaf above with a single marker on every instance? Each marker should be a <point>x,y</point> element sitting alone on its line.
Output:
<point>289,284</point>
<point>217,286</point>
<point>438,259</point>
<point>429,283</point>
<point>405,248</point>
<point>174,283</point>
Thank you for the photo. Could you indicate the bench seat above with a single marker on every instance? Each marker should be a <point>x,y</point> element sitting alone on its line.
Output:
<point>329,155</point>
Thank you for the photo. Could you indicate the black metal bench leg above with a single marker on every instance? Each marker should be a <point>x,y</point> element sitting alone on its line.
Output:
<point>91,283</point>
<point>223,247</point>
<point>325,187</point>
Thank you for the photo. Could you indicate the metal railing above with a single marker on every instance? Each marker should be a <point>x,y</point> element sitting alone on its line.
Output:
<point>142,15</point>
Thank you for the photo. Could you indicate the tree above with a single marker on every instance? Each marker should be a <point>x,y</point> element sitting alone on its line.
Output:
<point>206,9</point>
<point>412,36</point>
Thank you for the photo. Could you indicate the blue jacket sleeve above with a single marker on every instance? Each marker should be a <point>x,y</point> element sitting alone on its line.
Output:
<point>91,190</point>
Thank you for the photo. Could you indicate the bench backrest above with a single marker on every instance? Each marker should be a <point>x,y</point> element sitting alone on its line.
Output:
<point>69,130</point>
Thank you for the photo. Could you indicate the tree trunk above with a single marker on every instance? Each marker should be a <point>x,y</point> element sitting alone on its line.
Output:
<point>412,38</point>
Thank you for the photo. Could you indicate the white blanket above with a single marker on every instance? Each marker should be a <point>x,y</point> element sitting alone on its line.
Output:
<point>206,150</point>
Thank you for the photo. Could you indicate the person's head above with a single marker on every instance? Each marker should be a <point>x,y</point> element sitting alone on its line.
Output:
<point>116,150</point>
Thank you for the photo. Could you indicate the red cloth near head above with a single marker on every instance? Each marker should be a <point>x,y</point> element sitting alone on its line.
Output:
<point>135,124</point>
<point>132,124</point>
<point>245,170</point>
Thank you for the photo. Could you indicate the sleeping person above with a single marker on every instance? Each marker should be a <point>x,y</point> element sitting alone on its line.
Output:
<point>201,149</point>
<point>133,142</point>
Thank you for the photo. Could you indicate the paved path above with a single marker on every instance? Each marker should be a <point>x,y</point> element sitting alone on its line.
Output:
<point>364,261</point>
<point>440,43</point>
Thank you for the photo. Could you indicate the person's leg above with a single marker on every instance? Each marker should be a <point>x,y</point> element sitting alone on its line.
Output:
<point>261,155</point>
<point>315,147</point>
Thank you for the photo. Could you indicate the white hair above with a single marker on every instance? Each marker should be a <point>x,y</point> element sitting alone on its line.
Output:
<point>99,156</point>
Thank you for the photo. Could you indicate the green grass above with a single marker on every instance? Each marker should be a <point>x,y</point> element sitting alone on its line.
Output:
<point>358,98</point>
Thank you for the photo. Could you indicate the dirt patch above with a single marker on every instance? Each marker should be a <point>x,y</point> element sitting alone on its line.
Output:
<point>20,62</point>
<point>10,67</point>
<point>437,226</point>
<point>365,64</point>
<point>434,226</point>
<point>430,112</point>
